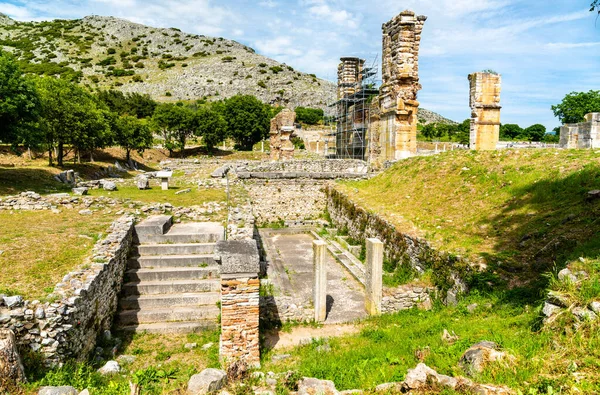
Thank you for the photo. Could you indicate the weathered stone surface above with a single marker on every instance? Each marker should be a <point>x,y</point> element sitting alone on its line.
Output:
<point>207,381</point>
<point>584,314</point>
<point>282,127</point>
<point>478,356</point>
<point>142,182</point>
<point>85,212</point>
<point>187,190</point>
<point>549,309</point>
<point>311,386</point>
<point>566,275</point>
<point>484,100</point>
<point>109,186</point>
<point>582,135</point>
<point>595,307</point>
<point>422,375</point>
<point>11,367</point>
<point>65,390</point>
<point>111,367</point>
<point>238,256</point>
<point>13,301</point>
<point>80,191</point>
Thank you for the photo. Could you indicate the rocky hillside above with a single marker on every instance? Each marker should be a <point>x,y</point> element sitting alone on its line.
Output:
<point>426,117</point>
<point>168,64</point>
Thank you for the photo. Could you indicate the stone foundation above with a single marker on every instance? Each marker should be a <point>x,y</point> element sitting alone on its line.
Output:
<point>484,100</point>
<point>406,297</point>
<point>86,301</point>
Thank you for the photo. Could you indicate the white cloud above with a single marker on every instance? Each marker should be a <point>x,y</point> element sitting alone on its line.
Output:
<point>572,45</point>
<point>279,46</point>
<point>268,4</point>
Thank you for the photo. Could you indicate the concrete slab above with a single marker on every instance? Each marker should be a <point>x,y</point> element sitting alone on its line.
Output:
<point>291,270</point>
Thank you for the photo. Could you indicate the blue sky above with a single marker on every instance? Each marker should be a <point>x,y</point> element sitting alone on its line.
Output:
<point>544,49</point>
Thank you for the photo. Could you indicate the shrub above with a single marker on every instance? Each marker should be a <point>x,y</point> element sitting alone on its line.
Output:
<point>111,51</point>
<point>262,84</point>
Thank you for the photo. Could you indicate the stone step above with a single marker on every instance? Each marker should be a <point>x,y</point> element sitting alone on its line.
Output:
<point>137,302</point>
<point>175,249</point>
<point>168,314</point>
<point>154,261</point>
<point>193,232</point>
<point>154,225</point>
<point>170,287</point>
<point>172,327</point>
<point>172,273</point>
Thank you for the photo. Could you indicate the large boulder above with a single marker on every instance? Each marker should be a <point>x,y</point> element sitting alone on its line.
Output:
<point>58,391</point>
<point>422,376</point>
<point>80,191</point>
<point>479,355</point>
<point>109,186</point>
<point>143,182</point>
<point>310,386</point>
<point>207,381</point>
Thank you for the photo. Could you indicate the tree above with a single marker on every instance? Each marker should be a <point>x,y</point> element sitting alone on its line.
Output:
<point>211,125</point>
<point>535,132</point>
<point>132,134</point>
<point>510,131</point>
<point>309,116</point>
<point>19,103</point>
<point>429,131</point>
<point>576,105</point>
<point>176,123</point>
<point>463,134</point>
<point>71,115</point>
<point>247,120</point>
<point>595,6</point>
<point>141,106</point>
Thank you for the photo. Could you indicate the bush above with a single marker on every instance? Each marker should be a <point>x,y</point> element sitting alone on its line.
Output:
<point>310,116</point>
<point>262,84</point>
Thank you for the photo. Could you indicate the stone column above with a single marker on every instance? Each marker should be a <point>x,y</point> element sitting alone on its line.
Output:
<point>11,368</point>
<point>282,128</point>
<point>485,110</point>
<point>373,276</point>
<point>320,283</point>
<point>240,265</point>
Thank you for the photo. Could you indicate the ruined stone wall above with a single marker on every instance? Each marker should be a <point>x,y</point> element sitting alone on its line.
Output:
<point>86,301</point>
<point>286,200</point>
<point>484,100</point>
<point>240,318</point>
<point>305,166</point>
<point>349,76</point>
<point>282,127</point>
<point>581,135</point>
<point>394,120</point>
<point>406,297</point>
<point>275,310</point>
<point>449,271</point>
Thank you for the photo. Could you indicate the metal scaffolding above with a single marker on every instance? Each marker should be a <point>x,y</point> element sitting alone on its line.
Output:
<point>351,117</point>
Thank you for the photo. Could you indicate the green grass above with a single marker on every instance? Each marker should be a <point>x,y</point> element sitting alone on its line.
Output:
<point>40,247</point>
<point>518,211</point>
<point>157,195</point>
<point>390,345</point>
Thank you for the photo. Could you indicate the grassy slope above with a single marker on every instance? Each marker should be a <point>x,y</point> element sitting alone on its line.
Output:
<point>517,211</point>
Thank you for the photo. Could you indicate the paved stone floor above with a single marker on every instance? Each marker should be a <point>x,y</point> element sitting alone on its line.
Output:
<point>292,274</point>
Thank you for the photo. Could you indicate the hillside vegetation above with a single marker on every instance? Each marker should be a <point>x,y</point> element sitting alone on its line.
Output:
<point>518,213</point>
<point>168,64</point>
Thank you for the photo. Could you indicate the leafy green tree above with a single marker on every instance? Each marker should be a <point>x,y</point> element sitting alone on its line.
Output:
<point>535,132</point>
<point>141,106</point>
<point>211,125</point>
<point>247,120</point>
<point>463,134</point>
<point>19,104</point>
<point>132,133</point>
<point>429,131</point>
<point>309,116</point>
<point>71,115</point>
<point>576,105</point>
<point>510,131</point>
<point>175,122</point>
<point>595,6</point>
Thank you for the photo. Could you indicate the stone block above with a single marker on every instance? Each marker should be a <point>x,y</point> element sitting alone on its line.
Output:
<point>238,256</point>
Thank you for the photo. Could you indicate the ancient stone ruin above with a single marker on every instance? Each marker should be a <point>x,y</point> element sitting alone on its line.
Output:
<point>393,130</point>
<point>282,127</point>
<point>582,135</point>
<point>484,100</point>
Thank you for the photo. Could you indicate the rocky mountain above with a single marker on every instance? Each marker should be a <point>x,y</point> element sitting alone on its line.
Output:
<point>168,64</point>
<point>426,117</point>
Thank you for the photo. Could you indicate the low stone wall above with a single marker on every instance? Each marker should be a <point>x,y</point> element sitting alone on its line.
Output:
<point>406,297</point>
<point>280,309</point>
<point>305,166</point>
<point>83,303</point>
<point>449,271</point>
<point>286,200</point>
<point>35,201</point>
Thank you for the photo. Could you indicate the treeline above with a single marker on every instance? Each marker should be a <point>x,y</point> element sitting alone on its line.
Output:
<point>55,115</point>
<point>508,132</point>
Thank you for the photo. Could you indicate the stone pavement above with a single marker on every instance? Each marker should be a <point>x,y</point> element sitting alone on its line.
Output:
<point>291,271</point>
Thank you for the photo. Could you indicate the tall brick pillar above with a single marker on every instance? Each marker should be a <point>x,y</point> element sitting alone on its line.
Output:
<point>240,265</point>
<point>485,110</point>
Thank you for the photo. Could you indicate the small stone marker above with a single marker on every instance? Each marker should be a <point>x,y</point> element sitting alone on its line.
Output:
<point>373,276</point>
<point>320,283</point>
<point>164,178</point>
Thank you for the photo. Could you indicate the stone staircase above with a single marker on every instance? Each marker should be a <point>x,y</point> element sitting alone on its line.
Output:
<point>172,283</point>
